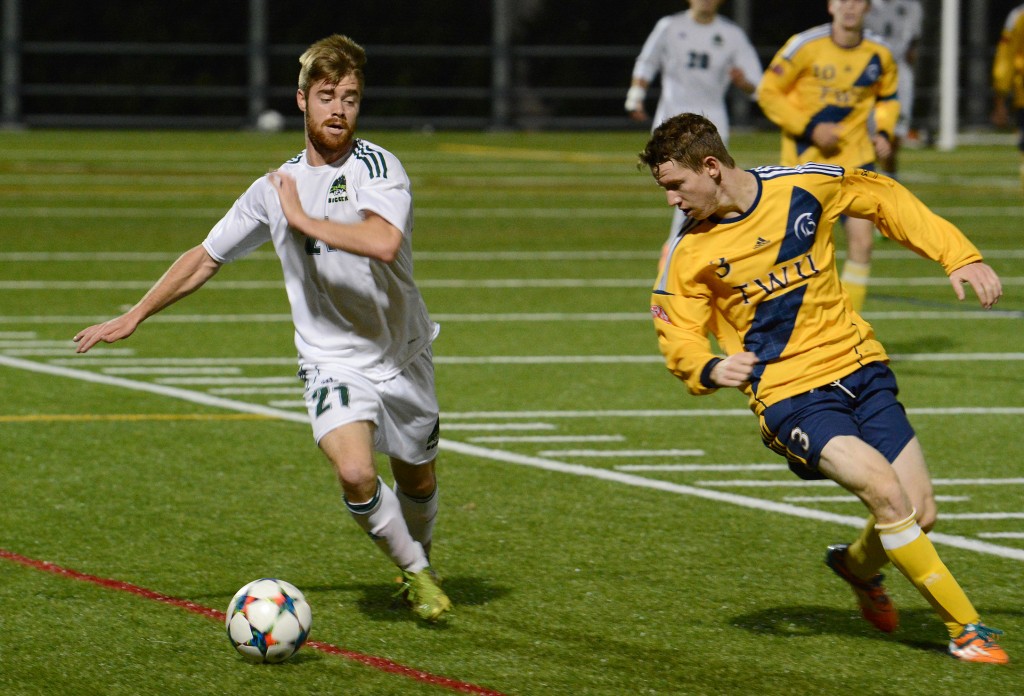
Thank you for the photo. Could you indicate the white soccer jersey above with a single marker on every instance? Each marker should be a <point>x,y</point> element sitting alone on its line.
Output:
<point>899,22</point>
<point>348,310</point>
<point>694,61</point>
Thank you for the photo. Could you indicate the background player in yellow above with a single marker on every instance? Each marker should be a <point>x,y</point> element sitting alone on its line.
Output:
<point>1008,76</point>
<point>821,89</point>
<point>755,265</point>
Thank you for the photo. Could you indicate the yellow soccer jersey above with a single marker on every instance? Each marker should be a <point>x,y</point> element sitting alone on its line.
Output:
<point>813,80</point>
<point>766,281</point>
<point>1008,67</point>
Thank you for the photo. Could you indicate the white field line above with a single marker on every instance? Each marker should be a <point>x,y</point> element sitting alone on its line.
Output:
<point>554,317</point>
<point>18,335</point>
<point>623,453</point>
<point>223,381</point>
<point>434,283</point>
<point>546,438</point>
<point>1001,535</point>
<point>706,413</point>
<point>45,352</point>
<point>850,498</point>
<point>93,360</point>
<point>982,516</point>
<point>517,459</point>
<point>739,483</point>
<point>701,467</point>
<point>555,212</point>
<point>66,344</point>
<point>172,370</point>
<point>162,390</point>
<point>717,496</point>
<point>250,391</point>
<point>498,427</point>
<point>446,256</point>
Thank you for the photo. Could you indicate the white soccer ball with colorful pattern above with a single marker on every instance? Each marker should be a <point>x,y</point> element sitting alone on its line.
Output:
<point>268,620</point>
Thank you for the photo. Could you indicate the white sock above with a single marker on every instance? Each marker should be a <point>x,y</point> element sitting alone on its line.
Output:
<point>419,514</point>
<point>381,518</point>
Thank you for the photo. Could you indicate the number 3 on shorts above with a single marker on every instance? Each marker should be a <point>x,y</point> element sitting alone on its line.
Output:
<point>323,394</point>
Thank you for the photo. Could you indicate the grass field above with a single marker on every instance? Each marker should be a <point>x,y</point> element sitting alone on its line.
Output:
<point>602,532</point>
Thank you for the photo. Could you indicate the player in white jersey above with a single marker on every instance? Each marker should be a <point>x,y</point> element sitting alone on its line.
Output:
<point>899,22</point>
<point>339,215</point>
<point>698,54</point>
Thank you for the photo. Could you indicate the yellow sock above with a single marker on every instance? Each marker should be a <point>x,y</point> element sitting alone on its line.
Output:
<point>855,282</point>
<point>866,556</point>
<point>912,552</point>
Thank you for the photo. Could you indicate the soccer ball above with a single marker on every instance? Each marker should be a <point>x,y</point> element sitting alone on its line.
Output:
<point>268,620</point>
<point>270,121</point>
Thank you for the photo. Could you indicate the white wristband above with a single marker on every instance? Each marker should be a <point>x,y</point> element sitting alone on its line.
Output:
<point>635,98</point>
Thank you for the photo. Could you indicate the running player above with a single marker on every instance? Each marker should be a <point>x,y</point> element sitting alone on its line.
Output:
<point>755,265</point>
<point>899,22</point>
<point>339,215</point>
<point>698,54</point>
<point>821,89</point>
<point>1008,77</point>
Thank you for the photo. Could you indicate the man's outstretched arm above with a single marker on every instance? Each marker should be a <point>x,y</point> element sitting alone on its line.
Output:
<point>185,276</point>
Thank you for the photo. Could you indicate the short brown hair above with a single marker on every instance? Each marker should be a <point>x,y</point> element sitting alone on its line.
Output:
<point>331,59</point>
<point>686,139</point>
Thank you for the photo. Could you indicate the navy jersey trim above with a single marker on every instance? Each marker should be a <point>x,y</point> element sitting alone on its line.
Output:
<point>372,159</point>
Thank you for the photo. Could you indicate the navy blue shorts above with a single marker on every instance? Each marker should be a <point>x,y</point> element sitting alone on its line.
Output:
<point>862,404</point>
<point>1020,127</point>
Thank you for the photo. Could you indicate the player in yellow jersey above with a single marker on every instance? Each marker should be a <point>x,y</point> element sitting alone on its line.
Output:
<point>755,266</point>
<point>1008,76</point>
<point>822,89</point>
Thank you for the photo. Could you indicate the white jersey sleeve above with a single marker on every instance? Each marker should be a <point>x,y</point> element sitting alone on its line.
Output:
<point>651,59</point>
<point>384,187</point>
<point>747,60</point>
<point>243,228</point>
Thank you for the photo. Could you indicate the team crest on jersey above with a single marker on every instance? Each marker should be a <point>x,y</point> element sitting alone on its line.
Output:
<point>659,313</point>
<point>339,191</point>
<point>805,225</point>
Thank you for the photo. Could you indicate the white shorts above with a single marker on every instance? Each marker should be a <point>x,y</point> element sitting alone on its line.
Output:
<point>404,408</point>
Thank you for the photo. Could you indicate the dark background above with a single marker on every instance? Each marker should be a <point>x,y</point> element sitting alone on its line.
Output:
<point>377,24</point>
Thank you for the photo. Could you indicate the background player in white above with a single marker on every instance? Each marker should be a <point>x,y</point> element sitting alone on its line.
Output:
<point>339,215</point>
<point>899,22</point>
<point>698,54</point>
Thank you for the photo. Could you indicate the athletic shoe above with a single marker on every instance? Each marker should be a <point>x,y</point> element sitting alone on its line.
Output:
<point>875,605</point>
<point>977,644</point>
<point>424,594</point>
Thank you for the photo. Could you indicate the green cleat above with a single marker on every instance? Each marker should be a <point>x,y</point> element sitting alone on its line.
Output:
<point>423,592</point>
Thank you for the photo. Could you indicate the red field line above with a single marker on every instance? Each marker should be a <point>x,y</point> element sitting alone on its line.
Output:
<point>378,663</point>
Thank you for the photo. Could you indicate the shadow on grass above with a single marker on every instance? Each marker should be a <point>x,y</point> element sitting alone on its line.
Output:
<point>379,602</point>
<point>919,629</point>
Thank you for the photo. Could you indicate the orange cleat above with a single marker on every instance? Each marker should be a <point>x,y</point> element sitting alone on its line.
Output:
<point>875,605</point>
<point>977,644</point>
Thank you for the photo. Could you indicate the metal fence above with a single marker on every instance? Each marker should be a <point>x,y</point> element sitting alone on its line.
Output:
<point>497,85</point>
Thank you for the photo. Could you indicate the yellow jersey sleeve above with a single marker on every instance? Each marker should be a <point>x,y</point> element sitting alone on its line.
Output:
<point>901,216</point>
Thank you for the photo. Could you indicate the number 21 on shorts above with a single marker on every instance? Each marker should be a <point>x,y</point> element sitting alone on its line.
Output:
<point>325,397</point>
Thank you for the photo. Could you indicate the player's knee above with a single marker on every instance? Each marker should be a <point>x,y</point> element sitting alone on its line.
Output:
<point>417,481</point>
<point>927,513</point>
